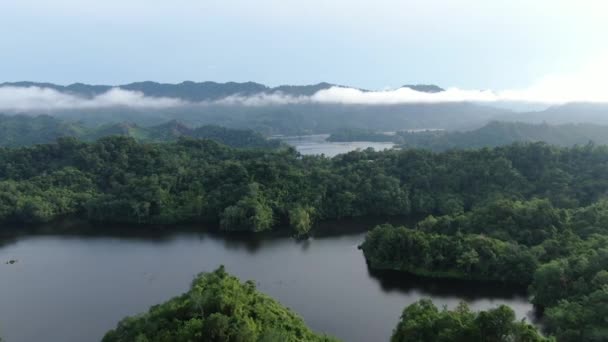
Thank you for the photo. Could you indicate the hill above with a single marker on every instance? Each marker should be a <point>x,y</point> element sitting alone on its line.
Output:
<point>23,130</point>
<point>218,307</point>
<point>505,133</point>
<point>270,110</point>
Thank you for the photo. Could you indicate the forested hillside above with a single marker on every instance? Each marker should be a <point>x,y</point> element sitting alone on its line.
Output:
<point>529,214</point>
<point>218,307</point>
<point>559,253</point>
<point>491,135</point>
<point>118,179</point>
<point>23,130</point>
<point>505,133</point>
<point>423,321</point>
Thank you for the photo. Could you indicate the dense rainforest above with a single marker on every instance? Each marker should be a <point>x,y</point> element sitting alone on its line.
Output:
<point>493,134</point>
<point>560,254</point>
<point>423,321</point>
<point>505,133</point>
<point>529,214</point>
<point>218,307</point>
<point>117,179</point>
<point>24,130</point>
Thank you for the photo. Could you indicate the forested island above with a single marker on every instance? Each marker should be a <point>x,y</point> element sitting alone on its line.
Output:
<point>218,307</point>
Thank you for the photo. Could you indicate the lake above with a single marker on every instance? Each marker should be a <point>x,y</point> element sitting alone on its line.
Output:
<point>316,144</point>
<point>75,285</point>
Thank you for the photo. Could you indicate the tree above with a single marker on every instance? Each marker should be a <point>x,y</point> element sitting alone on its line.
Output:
<point>220,308</point>
<point>423,322</point>
<point>300,220</point>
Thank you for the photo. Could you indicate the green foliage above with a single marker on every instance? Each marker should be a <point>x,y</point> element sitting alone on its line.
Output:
<point>424,322</point>
<point>526,213</point>
<point>300,220</point>
<point>251,213</point>
<point>218,307</point>
<point>22,130</point>
<point>559,252</point>
<point>504,133</point>
<point>469,256</point>
<point>117,179</point>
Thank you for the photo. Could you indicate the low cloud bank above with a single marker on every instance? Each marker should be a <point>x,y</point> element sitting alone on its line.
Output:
<point>585,85</point>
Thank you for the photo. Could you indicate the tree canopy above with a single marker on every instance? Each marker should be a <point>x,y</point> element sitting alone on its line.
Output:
<point>218,307</point>
<point>424,322</point>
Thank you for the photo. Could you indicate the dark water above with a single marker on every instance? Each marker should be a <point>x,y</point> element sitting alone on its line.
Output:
<point>75,286</point>
<point>316,144</point>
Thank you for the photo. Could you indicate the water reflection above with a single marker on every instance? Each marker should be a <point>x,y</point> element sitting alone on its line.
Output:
<point>75,281</point>
<point>467,290</point>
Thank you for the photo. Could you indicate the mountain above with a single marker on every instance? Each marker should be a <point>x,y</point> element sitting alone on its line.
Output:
<point>17,130</point>
<point>576,112</point>
<point>188,90</point>
<point>23,130</point>
<point>505,133</point>
<point>426,88</point>
<point>293,117</point>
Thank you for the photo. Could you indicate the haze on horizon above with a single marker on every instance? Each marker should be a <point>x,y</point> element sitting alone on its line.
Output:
<point>518,48</point>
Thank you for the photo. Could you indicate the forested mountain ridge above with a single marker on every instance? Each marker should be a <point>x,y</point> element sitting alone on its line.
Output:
<point>504,133</point>
<point>286,109</point>
<point>24,130</point>
<point>198,91</point>
<point>495,133</point>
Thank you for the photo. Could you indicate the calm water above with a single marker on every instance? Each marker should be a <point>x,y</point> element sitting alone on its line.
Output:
<point>75,286</point>
<point>316,144</point>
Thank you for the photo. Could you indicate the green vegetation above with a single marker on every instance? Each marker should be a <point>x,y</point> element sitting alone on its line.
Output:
<point>529,214</point>
<point>559,253</point>
<point>117,179</point>
<point>504,133</point>
<point>230,105</point>
<point>424,322</point>
<point>219,308</point>
<point>472,256</point>
<point>491,135</point>
<point>22,130</point>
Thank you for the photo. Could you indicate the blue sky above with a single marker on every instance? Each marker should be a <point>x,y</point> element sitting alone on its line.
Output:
<point>474,44</point>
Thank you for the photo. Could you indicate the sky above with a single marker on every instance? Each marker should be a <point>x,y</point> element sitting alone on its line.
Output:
<point>469,44</point>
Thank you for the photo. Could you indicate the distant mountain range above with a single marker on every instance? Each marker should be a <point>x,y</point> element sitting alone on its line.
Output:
<point>199,91</point>
<point>504,133</point>
<point>492,134</point>
<point>201,107</point>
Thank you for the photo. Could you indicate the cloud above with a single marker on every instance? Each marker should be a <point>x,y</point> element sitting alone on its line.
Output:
<point>399,96</point>
<point>584,85</point>
<point>26,99</point>
<point>588,84</point>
